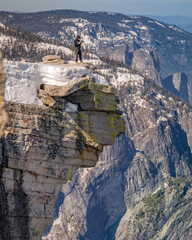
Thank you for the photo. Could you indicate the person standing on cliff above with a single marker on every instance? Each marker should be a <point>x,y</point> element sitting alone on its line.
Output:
<point>77,44</point>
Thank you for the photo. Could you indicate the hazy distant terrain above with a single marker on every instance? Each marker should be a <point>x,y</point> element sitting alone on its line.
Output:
<point>141,186</point>
<point>182,22</point>
<point>160,51</point>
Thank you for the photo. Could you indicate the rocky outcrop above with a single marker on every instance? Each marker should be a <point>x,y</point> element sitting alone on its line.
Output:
<point>141,186</point>
<point>147,63</point>
<point>42,149</point>
<point>3,120</point>
<point>178,84</point>
<point>116,36</point>
<point>142,61</point>
<point>52,59</point>
<point>84,92</point>
<point>3,116</point>
<point>121,54</point>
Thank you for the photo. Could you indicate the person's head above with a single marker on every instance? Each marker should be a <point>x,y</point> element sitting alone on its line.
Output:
<point>78,37</point>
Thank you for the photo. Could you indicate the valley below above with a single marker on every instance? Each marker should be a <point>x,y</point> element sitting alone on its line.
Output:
<point>132,92</point>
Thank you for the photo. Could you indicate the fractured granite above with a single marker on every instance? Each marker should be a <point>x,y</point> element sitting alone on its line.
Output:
<point>3,116</point>
<point>42,149</point>
<point>85,92</point>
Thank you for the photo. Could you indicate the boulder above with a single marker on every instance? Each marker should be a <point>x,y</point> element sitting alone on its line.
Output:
<point>52,59</point>
<point>56,103</point>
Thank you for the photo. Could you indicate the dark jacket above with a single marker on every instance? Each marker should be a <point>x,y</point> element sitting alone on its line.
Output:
<point>77,43</point>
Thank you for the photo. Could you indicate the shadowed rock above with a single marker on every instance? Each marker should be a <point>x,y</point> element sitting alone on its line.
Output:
<point>43,147</point>
<point>178,84</point>
<point>86,93</point>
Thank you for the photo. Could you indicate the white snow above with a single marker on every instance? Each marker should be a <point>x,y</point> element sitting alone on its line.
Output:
<point>135,17</point>
<point>88,40</point>
<point>100,79</point>
<point>67,20</point>
<point>70,107</point>
<point>142,27</point>
<point>141,103</point>
<point>125,77</point>
<point>5,39</point>
<point>79,22</point>
<point>22,82</point>
<point>123,25</point>
<point>127,21</point>
<point>72,31</point>
<point>2,25</point>
<point>111,13</point>
<point>169,38</point>
<point>176,29</point>
<point>60,75</point>
<point>133,33</point>
<point>24,79</point>
<point>158,23</point>
<point>182,41</point>
<point>47,46</point>
<point>159,96</point>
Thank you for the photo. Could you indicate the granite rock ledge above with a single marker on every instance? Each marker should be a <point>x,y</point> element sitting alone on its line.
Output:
<point>3,115</point>
<point>43,146</point>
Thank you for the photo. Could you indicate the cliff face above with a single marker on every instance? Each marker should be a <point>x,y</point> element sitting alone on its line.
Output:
<point>141,186</point>
<point>179,85</point>
<point>42,149</point>
<point>3,120</point>
<point>3,116</point>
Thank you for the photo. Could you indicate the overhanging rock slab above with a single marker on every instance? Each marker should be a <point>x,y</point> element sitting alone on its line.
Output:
<point>43,147</point>
<point>86,93</point>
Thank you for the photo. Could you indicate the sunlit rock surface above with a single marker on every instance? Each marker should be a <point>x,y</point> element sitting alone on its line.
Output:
<point>42,149</point>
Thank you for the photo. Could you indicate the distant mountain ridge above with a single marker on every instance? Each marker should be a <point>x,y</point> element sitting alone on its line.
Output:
<point>141,186</point>
<point>183,22</point>
<point>151,47</point>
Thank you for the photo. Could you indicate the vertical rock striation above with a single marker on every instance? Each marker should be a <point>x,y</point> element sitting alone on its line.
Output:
<point>3,116</point>
<point>141,186</point>
<point>3,120</point>
<point>43,147</point>
<point>178,84</point>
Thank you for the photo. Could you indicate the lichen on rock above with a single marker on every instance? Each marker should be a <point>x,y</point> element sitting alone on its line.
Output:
<point>43,146</point>
<point>3,116</point>
<point>86,93</point>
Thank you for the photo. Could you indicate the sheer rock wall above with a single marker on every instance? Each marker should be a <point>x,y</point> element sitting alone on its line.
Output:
<point>3,116</point>
<point>41,150</point>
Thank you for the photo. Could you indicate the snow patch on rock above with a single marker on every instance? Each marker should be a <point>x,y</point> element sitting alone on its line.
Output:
<point>24,79</point>
<point>70,107</point>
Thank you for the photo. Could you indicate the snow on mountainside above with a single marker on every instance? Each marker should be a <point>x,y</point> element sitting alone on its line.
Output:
<point>24,79</point>
<point>98,30</point>
<point>57,49</point>
<point>141,187</point>
<point>17,45</point>
<point>152,47</point>
<point>151,163</point>
<point>181,21</point>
